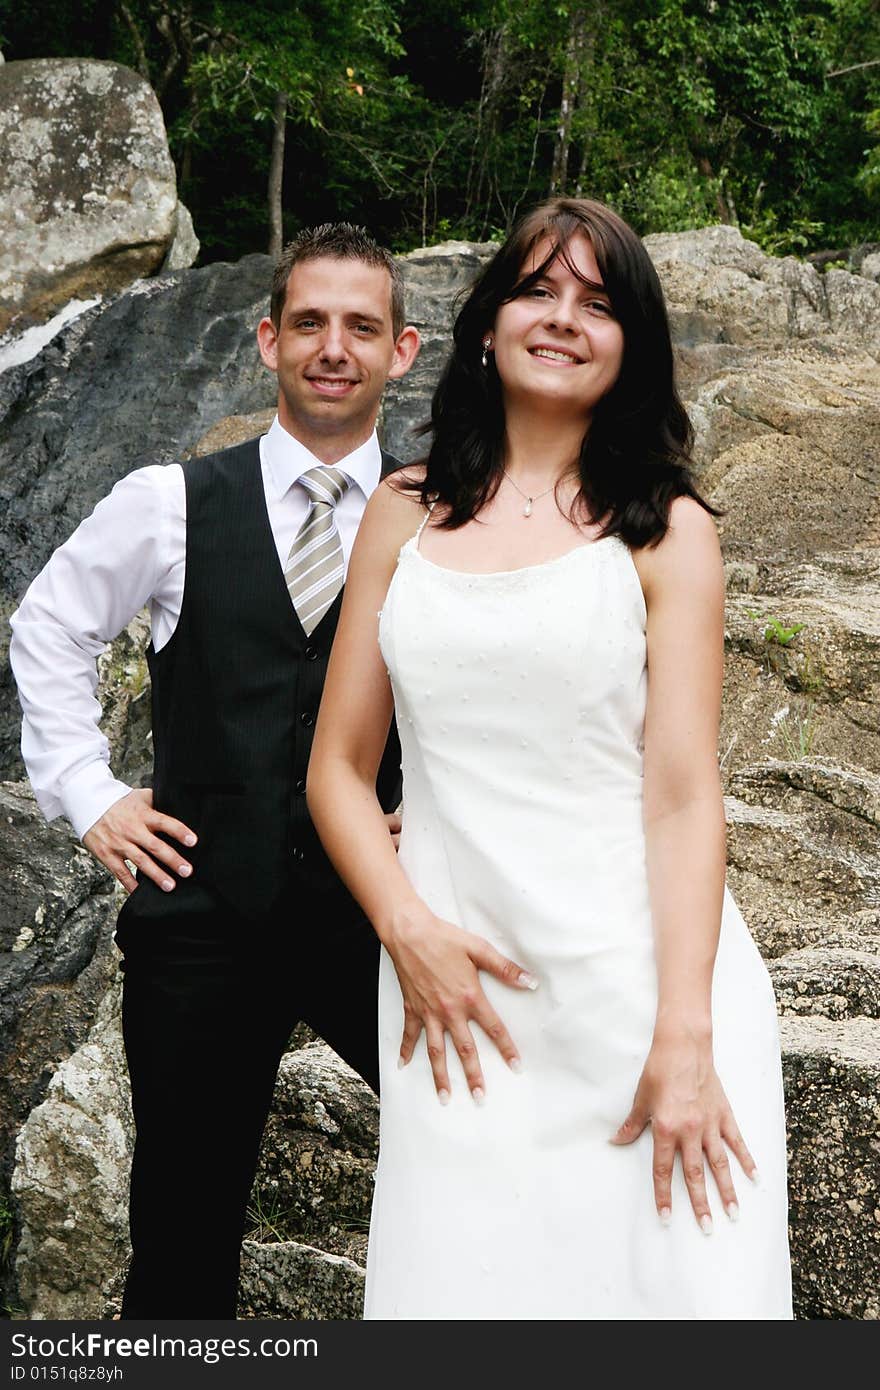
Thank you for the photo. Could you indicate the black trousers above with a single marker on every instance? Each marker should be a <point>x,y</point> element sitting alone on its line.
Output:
<point>209,1002</point>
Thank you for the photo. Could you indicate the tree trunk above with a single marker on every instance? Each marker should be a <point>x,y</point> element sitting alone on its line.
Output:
<point>571,81</point>
<point>276,174</point>
<point>724,204</point>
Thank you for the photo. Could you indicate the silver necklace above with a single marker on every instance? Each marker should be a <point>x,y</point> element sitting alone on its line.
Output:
<point>527,509</point>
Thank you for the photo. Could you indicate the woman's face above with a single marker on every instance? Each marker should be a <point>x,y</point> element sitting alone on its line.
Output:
<point>559,344</point>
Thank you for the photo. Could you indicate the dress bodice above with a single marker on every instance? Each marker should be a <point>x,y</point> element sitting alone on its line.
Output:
<point>538,673</point>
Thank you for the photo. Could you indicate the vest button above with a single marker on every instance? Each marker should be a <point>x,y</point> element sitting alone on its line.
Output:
<point>311,654</point>
<point>301,784</point>
<point>307,719</point>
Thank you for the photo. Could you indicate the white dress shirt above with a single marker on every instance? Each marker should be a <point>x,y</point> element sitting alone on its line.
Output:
<point>130,552</point>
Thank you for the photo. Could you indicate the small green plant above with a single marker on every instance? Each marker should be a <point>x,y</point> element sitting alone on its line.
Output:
<point>267,1220</point>
<point>798,730</point>
<point>775,631</point>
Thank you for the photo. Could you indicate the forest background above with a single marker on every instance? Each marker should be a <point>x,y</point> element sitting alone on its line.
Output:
<point>434,119</point>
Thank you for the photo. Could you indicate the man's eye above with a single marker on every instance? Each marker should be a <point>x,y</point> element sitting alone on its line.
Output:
<point>365,328</point>
<point>307,323</point>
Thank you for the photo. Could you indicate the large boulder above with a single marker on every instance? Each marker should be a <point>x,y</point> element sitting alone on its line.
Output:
<point>88,199</point>
<point>71,1180</point>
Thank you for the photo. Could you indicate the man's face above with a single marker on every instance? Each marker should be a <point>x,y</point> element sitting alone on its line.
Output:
<point>334,350</point>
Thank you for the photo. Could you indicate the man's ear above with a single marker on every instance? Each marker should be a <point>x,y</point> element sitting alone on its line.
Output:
<point>267,341</point>
<point>406,350</point>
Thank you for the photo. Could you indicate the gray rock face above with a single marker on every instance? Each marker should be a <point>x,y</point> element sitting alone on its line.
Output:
<point>56,959</point>
<point>315,1176</point>
<point>184,249</point>
<point>434,277</point>
<point>722,289</point>
<point>832,1071</point>
<point>292,1281</point>
<point>87,186</point>
<point>71,1180</point>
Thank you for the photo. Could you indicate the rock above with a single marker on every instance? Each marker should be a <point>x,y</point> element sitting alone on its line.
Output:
<point>234,429</point>
<point>434,276</point>
<point>722,288</point>
<point>57,913</point>
<point>184,249</point>
<point>804,856</point>
<point>87,185</point>
<point>828,981</point>
<point>71,1180</point>
<point>297,1282</point>
<point>832,1085</point>
<point>314,1180</point>
<point>870,266</point>
<point>815,694</point>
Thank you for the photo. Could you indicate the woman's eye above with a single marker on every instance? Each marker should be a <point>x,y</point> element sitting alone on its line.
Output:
<point>600,306</point>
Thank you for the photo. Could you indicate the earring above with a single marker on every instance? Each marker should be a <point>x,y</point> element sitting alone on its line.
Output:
<point>487,346</point>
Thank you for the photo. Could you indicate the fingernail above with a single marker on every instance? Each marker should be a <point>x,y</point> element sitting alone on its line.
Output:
<point>479,1095</point>
<point>732,1211</point>
<point>665,1216</point>
<point>755,1177</point>
<point>184,870</point>
<point>443,1097</point>
<point>401,1063</point>
<point>515,1064</point>
<point>167,884</point>
<point>526,980</point>
<point>706,1225</point>
<point>189,839</point>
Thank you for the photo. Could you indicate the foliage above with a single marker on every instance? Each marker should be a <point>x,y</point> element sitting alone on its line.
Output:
<point>434,118</point>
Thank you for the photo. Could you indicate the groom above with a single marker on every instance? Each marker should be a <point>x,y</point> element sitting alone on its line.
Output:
<point>236,927</point>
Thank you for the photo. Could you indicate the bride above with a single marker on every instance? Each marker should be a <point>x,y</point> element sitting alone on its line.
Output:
<point>579,1049</point>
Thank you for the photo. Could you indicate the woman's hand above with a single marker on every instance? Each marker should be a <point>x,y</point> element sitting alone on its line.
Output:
<point>680,1095</point>
<point>438,968</point>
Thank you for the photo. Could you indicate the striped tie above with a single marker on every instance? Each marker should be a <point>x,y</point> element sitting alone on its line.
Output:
<point>315,568</point>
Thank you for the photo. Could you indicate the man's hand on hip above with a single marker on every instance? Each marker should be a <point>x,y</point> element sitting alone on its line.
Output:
<point>395,825</point>
<point>128,833</point>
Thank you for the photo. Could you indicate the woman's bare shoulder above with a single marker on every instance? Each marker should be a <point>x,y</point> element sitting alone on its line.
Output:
<point>689,553</point>
<point>393,513</point>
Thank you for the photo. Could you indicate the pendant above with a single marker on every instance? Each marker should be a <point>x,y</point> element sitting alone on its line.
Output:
<point>527,509</point>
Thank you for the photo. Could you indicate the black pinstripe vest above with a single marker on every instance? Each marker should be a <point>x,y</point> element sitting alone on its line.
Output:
<point>235,696</point>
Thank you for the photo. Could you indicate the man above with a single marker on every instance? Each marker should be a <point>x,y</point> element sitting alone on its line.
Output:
<point>238,927</point>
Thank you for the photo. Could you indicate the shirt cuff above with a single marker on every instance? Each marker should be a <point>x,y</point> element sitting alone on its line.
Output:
<point>88,794</point>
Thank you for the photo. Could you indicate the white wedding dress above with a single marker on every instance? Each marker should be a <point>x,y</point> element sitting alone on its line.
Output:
<point>520,700</point>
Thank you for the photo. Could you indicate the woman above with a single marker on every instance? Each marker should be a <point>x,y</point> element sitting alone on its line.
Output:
<point>551,627</point>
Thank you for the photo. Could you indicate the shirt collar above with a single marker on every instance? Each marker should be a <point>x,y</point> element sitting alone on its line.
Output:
<point>286,460</point>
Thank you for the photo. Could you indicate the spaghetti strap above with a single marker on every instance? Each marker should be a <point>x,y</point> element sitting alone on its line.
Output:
<point>418,533</point>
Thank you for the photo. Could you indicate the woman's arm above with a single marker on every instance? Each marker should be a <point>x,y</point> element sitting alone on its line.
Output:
<point>437,963</point>
<point>679,1091</point>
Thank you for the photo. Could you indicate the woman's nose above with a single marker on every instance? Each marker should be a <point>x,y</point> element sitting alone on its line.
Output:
<point>562,314</point>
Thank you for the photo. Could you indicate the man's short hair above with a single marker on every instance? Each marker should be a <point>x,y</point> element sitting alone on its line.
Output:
<point>344,242</point>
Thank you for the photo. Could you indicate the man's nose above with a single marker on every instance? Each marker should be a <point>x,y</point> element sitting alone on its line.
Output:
<point>333,345</point>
